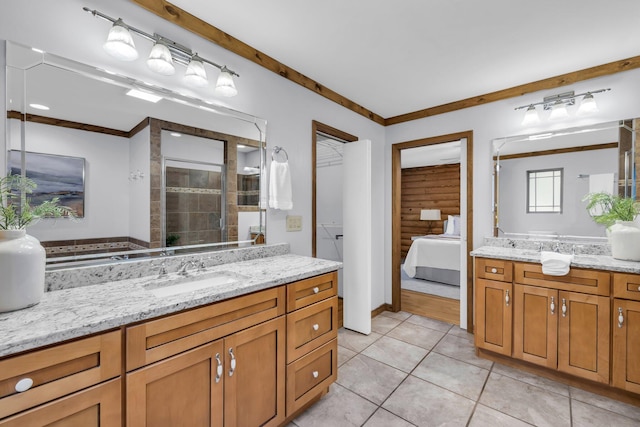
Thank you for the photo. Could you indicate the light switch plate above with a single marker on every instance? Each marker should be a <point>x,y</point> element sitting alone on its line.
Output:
<point>294,223</point>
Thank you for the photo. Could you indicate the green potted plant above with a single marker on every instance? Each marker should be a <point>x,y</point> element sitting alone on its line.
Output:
<point>618,214</point>
<point>22,258</point>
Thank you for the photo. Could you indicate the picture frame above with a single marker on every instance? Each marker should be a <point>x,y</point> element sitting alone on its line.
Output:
<point>55,176</point>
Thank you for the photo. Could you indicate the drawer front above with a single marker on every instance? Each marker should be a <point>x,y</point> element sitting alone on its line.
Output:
<point>307,376</point>
<point>58,371</point>
<point>494,269</point>
<point>310,291</point>
<point>158,339</point>
<point>578,280</point>
<point>626,286</point>
<point>311,327</point>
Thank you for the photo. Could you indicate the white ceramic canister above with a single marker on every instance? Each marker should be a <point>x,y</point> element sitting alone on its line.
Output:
<point>624,237</point>
<point>22,262</point>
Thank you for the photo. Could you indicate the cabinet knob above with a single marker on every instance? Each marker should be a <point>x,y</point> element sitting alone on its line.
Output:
<point>233,362</point>
<point>219,368</point>
<point>316,290</point>
<point>315,374</point>
<point>24,385</point>
<point>316,327</point>
<point>564,307</point>
<point>494,270</point>
<point>507,298</point>
<point>552,306</point>
<point>620,317</point>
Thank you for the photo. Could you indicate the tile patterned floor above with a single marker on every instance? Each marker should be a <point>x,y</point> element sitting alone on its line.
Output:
<point>415,371</point>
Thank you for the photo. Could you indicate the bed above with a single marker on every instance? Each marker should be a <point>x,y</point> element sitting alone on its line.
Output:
<point>435,258</point>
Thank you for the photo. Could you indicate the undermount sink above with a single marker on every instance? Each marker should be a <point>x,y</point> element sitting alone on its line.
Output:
<point>178,284</point>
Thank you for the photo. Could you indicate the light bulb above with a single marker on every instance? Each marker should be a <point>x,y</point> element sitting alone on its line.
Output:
<point>119,43</point>
<point>160,60</point>
<point>225,85</point>
<point>531,116</point>
<point>196,74</point>
<point>558,111</point>
<point>587,105</point>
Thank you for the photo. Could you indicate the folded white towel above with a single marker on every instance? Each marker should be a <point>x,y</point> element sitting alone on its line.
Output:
<point>280,194</point>
<point>555,264</point>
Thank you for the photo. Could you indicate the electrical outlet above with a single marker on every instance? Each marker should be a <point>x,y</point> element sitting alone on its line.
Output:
<point>294,223</point>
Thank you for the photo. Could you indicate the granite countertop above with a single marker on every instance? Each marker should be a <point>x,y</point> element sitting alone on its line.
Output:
<point>596,262</point>
<point>71,313</point>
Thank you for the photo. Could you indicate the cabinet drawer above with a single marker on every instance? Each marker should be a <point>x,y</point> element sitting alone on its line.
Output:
<point>310,374</point>
<point>59,371</point>
<point>626,286</point>
<point>310,327</point>
<point>494,269</point>
<point>158,339</point>
<point>578,280</point>
<point>309,291</point>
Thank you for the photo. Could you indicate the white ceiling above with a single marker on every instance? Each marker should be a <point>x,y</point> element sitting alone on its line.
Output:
<point>396,57</point>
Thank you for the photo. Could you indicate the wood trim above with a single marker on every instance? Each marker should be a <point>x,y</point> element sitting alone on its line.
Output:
<point>513,92</point>
<point>315,128</point>
<point>559,151</point>
<point>381,309</point>
<point>396,198</point>
<point>66,124</point>
<point>174,14</point>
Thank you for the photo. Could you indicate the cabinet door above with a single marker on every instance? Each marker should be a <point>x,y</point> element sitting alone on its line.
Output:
<point>494,316</point>
<point>535,325</point>
<point>584,335</point>
<point>184,390</point>
<point>98,406</point>
<point>626,345</point>
<point>255,375</point>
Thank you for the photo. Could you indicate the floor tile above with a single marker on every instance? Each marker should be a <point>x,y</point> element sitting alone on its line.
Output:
<point>340,407</point>
<point>396,353</point>
<point>356,341</point>
<point>458,377</point>
<point>425,404</point>
<point>532,379</point>
<point>369,378</point>
<point>383,324</point>
<point>460,333</point>
<point>603,402</point>
<point>383,418</point>
<point>344,354</point>
<point>461,349</point>
<point>400,315</point>
<point>416,335</point>
<point>584,415</point>
<point>486,417</point>
<point>526,402</point>
<point>438,325</point>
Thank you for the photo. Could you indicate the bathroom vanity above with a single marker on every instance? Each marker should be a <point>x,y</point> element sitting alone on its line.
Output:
<point>582,328</point>
<point>251,351</point>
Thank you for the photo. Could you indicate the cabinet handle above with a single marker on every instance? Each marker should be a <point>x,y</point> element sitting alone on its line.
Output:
<point>219,368</point>
<point>316,290</point>
<point>315,374</point>
<point>564,307</point>
<point>24,385</point>
<point>552,306</point>
<point>506,298</point>
<point>316,327</point>
<point>620,317</point>
<point>233,362</point>
<point>494,270</point>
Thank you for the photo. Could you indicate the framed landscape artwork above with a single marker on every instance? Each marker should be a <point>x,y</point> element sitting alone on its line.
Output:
<point>55,176</point>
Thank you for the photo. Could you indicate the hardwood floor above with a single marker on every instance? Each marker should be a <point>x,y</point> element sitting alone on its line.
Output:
<point>435,307</point>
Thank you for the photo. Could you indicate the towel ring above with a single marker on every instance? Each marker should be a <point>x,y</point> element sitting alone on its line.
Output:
<point>277,150</point>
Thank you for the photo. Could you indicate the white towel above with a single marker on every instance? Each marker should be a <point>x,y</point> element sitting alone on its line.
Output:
<point>280,194</point>
<point>601,183</point>
<point>555,264</point>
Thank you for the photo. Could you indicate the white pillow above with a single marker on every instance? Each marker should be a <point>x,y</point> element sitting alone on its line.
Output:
<point>456,225</point>
<point>450,225</point>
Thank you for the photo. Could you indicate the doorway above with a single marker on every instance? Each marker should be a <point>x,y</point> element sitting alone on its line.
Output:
<point>326,205</point>
<point>439,308</point>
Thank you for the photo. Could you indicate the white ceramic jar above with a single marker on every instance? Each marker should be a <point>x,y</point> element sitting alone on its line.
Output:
<point>624,237</point>
<point>22,262</point>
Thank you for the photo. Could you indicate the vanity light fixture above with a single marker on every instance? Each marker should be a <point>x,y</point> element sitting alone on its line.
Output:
<point>558,106</point>
<point>164,54</point>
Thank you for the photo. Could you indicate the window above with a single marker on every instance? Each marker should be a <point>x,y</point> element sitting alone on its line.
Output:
<point>544,191</point>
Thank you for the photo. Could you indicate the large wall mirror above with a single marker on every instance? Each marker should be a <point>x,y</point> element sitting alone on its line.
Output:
<point>161,172</point>
<point>540,180</point>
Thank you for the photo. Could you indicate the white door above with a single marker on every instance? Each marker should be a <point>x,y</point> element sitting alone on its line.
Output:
<point>358,233</point>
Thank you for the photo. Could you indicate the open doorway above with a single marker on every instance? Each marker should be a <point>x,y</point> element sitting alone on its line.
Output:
<point>437,215</point>
<point>326,205</point>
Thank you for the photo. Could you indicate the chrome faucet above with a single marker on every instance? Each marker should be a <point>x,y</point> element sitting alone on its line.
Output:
<point>185,266</point>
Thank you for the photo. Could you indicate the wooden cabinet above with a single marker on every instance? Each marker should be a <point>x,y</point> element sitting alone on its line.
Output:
<point>626,332</point>
<point>535,320</point>
<point>57,383</point>
<point>494,311</point>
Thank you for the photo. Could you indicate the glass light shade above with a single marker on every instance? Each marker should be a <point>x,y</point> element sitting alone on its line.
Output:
<point>119,43</point>
<point>196,74</point>
<point>531,116</point>
<point>225,85</point>
<point>588,105</point>
<point>558,111</point>
<point>160,60</point>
